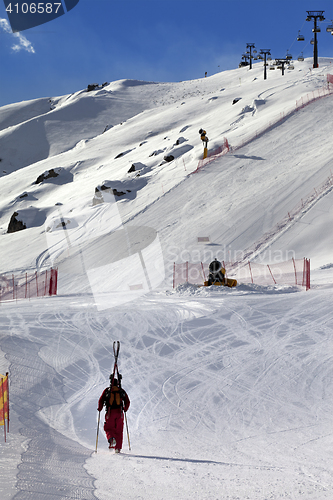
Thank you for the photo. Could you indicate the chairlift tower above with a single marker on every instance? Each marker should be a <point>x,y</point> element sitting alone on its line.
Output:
<point>250,46</point>
<point>281,62</point>
<point>315,15</point>
<point>265,53</point>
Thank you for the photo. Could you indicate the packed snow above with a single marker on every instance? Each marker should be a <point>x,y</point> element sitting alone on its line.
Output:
<point>231,389</point>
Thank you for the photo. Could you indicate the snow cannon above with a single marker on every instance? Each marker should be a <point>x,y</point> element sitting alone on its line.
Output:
<point>217,276</point>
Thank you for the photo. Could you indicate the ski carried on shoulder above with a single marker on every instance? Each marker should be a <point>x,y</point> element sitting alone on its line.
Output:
<point>116,347</point>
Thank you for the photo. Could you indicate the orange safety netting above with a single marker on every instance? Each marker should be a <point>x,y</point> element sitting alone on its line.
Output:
<point>28,285</point>
<point>291,272</point>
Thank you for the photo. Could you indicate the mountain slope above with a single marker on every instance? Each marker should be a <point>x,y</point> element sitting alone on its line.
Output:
<point>233,200</point>
<point>231,389</point>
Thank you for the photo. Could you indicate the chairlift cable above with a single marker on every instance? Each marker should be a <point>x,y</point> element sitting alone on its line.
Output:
<point>303,25</point>
<point>295,39</point>
<point>302,52</point>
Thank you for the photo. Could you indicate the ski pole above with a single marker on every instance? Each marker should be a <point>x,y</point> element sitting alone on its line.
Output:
<point>129,444</point>
<point>99,418</point>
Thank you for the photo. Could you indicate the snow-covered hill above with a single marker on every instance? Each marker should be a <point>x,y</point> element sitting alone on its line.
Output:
<point>231,390</point>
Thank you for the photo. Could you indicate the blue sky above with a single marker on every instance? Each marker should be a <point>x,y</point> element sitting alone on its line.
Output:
<point>155,40</point>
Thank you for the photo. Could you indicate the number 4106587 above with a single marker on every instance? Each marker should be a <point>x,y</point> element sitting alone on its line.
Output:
<point>34,8</point>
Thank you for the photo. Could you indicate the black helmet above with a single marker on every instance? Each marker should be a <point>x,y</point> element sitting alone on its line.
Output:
<point>200,131</point>
<point>215,266</point>
<point>115,381</point>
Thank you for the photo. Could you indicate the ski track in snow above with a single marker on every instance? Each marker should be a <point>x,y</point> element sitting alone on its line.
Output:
<point>229,373</point>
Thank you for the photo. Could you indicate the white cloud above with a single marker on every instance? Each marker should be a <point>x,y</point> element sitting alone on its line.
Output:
<point>22,43</point>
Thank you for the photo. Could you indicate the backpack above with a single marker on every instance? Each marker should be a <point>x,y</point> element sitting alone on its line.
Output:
<point>113,398</point>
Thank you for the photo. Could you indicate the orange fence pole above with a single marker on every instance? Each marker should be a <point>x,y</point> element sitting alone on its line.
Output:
<point>4,404</point>
<point>271,274</point>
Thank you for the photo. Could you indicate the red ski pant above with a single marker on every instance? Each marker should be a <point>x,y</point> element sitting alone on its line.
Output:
<point>114,425</point>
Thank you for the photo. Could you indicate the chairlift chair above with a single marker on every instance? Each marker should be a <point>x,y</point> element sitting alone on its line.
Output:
<point>316,30</point>
<point>300,37</point>
<point>300,58</point>
<point>291,66</point>
<point>289,56</point>
<point>329,28</point>
<point>312,41</point>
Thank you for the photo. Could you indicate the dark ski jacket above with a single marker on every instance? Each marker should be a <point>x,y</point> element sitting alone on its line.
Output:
<point>112,399</point>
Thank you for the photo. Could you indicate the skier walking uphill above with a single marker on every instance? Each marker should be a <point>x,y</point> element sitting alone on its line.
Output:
<point>116,401</point>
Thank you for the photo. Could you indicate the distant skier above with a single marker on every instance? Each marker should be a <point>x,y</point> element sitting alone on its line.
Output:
<point>216,273</point>
<point>116,401</point>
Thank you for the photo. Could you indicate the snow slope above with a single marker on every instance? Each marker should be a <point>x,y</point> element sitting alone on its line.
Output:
<point>231,390</point>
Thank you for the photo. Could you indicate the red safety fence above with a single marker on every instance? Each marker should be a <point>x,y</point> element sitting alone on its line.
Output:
<point>292,216</point>
<point>291,272</point>
<point>300,104</point>
<point>213,155</point>
<point>313,96</point>
<point>28,285</point>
